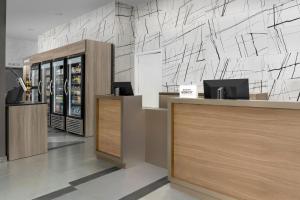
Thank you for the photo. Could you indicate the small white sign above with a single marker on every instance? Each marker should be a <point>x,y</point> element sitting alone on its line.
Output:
<point>188,91</point>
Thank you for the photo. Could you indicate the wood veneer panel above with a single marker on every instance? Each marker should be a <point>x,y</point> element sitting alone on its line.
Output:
<point>28,131</point>
<point>97,79</point>
<point>109,127</point>
<point>247,153</point>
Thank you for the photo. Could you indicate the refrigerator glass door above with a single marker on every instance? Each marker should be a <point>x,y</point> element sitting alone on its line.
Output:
<point>75,87</point>
<point>34,78</point>
<point>34,95</point>
<point>45,84</point>
<point>58,87</point>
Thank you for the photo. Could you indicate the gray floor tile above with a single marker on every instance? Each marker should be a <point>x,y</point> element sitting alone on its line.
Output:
<point>39,175</point>
<point>118,184</point>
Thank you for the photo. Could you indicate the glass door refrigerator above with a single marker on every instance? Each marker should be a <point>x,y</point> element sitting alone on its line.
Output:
<point>46,86</point>
<point>59,84</point>
<point>75,95</point>
<point>35,82</point>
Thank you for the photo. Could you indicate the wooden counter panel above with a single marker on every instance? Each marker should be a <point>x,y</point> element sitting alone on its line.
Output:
<point>109,127</point>
<point>244,152</point>
<point>28,131</point>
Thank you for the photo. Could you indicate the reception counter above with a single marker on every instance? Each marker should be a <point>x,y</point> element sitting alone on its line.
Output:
<point>120,135</point>
<point>27,130</point>
<point>234,149</point>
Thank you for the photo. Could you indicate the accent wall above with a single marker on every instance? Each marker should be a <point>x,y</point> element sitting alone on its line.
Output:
<point>213,39</point>
<point>112,23</point>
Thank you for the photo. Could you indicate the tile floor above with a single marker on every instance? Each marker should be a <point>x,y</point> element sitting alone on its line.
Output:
<point>118,184</point>
<point>58,139</point>
<point>35,176</point>
<point>40,175</point>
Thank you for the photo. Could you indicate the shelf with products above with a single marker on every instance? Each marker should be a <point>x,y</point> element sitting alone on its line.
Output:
<point>76,104</point>
<point>76,74</point>
<point>76,94</point>
<point>76,68</point>
<point>59,82</point>
<point>75,111</point>
<point>59,92</point>
<point>76,80</point>
<point>76,84</point>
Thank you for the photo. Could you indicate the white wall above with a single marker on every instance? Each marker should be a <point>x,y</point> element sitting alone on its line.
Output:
<point>209,40</point>
<point>17,50</point>
<point>148,77</point>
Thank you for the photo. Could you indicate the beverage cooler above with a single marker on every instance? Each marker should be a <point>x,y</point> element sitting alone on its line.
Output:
<point>45,86</point>
<point>58,110</point>
<point>75,95</point>
<point>60,83</point>
<point>35,82</point>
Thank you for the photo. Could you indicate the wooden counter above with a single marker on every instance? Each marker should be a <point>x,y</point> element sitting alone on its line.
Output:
<point>235,149</point>
<point>120,129</point>
<point>27,130</point>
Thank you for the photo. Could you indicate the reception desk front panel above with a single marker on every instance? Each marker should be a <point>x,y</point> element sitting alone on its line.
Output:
<point>109,126</point>
<point>244,150</point>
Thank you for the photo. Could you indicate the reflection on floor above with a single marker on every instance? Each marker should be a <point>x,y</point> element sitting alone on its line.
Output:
<point>58,139</point>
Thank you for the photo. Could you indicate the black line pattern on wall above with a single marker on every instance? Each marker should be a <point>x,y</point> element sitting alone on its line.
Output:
<point>212,39</point>
<point>113,23</point>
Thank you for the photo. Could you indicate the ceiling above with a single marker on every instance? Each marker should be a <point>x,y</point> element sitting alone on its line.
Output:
<point>26,19</point>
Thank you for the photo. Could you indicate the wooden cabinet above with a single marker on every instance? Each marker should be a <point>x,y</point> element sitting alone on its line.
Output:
<point>27,130</point>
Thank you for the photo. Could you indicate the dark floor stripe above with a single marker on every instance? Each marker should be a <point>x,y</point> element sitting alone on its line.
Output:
<point>146,190</point>
<point>93,176</point>
<point>58,145</point>
<point>57,193</point>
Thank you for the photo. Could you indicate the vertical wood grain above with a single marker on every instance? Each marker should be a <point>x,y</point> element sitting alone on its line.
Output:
<point>109,127</point>
<point>97,80</point>
<point>246,153</point>
<point>28,131</point>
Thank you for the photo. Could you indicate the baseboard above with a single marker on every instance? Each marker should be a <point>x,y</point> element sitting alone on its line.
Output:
<point>3,159</point>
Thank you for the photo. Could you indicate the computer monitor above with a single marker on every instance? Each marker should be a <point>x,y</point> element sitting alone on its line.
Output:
<point>226,89</point>
<point>14,95</point>
<point>122,88</point>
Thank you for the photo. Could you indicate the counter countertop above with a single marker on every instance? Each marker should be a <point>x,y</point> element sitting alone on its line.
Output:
<point>239,103</point>
<point>113,97</point>
<point>25,103</point>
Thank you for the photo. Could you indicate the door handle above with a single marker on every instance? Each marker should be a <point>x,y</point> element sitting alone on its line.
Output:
<point>50,87</point>
<point>39,87</point>
<point>65,87</point>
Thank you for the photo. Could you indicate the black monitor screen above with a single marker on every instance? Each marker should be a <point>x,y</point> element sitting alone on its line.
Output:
<point>231,89</point>
<point>14,96</point>
<point>125,88</point>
